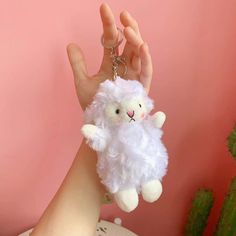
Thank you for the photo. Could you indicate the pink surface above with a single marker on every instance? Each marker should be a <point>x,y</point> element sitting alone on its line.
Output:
<point>194,53</point>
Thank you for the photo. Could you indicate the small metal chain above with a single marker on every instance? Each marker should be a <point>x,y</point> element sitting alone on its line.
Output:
<point>115,58</point>
<point>116,61</point>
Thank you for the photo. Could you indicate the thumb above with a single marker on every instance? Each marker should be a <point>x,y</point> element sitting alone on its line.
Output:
<point>77,62</point>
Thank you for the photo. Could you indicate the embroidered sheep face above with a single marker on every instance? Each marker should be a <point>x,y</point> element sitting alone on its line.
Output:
<point>128,111</point>
<point>118,102</point>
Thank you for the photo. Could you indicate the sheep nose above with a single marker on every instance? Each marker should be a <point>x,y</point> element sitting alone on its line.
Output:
<point>130,113</point>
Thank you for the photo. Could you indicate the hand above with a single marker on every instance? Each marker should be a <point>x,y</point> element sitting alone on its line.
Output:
<point>136,54</point>
<point>75,208</point>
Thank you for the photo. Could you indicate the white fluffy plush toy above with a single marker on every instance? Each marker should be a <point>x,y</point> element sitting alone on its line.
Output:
<point>131,155</point>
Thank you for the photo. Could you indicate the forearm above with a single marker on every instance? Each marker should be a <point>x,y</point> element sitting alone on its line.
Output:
<point>75,208</point>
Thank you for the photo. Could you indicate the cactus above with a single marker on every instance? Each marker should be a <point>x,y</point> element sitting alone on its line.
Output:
<point>232,142</point>
<point>227,221</point>
<point>201,206</point>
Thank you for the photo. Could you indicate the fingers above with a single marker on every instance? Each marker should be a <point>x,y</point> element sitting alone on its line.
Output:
<point>132,34</point>
<point>110,37</point>
<point>77,62</point>
<point>132,48</point>
<point>127,20</point>
<point>136,50</point>
<point>133,39</point>
<point>146,67</point>
<point>110,31</point>
<point>136,63</point>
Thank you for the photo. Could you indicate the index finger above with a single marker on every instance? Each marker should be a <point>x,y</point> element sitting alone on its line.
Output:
<point>110,31</point>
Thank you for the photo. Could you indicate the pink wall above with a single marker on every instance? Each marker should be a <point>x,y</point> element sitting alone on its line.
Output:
<point>194,53</point>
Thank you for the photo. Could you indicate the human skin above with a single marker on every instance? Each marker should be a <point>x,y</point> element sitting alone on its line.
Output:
<point>75,208</point>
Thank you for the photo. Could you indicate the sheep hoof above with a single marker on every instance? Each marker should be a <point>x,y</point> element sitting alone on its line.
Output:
<point>151,190</point>
<point>159,119</point>
<point>127,199</point>
<point>88,131</point>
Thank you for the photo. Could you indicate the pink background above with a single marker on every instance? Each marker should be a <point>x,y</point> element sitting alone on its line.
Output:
<point>194,54</point>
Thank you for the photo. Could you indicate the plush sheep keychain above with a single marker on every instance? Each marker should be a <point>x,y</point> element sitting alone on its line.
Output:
<point>131,155</point>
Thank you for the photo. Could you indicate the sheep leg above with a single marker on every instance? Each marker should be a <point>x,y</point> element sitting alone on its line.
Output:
<point>151,190</point>
<point>89,131</point>
<point>159,119</point>
<point>127,199</point>
<point>96,137</point>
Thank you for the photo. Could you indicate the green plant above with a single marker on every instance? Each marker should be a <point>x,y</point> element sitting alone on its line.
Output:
<point>227,222</point>
<point>232,142</point>
<point>203,203</point>
<point>201,207</point>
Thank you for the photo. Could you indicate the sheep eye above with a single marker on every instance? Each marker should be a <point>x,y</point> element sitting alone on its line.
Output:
<point>117,111</point>
<point>140,105</point>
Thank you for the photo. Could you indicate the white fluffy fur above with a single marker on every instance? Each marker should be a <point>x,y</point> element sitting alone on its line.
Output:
<point>130,153</point>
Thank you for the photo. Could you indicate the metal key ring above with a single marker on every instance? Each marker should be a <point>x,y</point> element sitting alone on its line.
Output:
<point>120,40</point>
